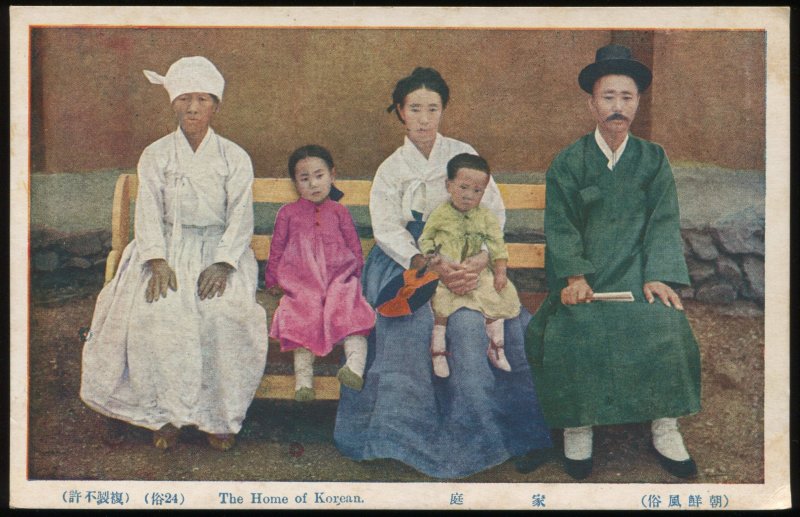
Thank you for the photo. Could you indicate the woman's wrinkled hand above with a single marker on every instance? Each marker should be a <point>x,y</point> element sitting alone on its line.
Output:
<point>578,290</point>
<point>213,280</point>
<point>465,278</point>
<point>477,263</point>
<point>161,277</point>
<point>462,278</point>
<point>458,279</point>
<point>444,268</point>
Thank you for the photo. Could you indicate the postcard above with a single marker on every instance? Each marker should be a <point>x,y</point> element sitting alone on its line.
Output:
<point>192,306</point>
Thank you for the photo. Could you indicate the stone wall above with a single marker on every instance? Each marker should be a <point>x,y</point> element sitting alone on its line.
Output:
<point>722,223</point>
<point>68,264</point>
<point>725,261</point>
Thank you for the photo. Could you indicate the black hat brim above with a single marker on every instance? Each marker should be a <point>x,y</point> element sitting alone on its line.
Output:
<point>633,69</point>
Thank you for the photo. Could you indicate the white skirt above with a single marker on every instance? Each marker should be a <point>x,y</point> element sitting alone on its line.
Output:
<point>178,360</point>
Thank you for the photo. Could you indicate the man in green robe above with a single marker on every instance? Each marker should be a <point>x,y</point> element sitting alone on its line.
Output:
<point>612,224</point>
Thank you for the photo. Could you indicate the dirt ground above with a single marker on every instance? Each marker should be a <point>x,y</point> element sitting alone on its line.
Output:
<point>289,441</point>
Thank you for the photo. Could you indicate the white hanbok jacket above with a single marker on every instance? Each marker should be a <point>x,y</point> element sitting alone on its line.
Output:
<point>182,360</point>
<point>407,181</point>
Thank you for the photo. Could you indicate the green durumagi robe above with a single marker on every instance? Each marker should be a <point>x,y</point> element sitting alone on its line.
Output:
<point>610,362</point>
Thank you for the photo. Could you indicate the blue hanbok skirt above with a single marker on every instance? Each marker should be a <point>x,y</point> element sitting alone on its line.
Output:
<point>476,418</point>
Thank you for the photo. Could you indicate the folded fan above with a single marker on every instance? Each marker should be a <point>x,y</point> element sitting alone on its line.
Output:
<point>621,296</point>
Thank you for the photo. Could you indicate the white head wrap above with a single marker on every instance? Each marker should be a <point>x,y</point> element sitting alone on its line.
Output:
<point>190,74</point>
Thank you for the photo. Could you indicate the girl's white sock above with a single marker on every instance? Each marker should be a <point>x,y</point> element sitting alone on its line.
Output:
<point>355,353</point>
<point>667,439</point>
<point>303,369</point>
<point>439,345</point>
<point>578,442</point>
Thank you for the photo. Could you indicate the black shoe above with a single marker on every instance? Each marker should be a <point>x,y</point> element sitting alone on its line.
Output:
<point>532,461</point>
<point>578,469</point>
<point>680,469</point>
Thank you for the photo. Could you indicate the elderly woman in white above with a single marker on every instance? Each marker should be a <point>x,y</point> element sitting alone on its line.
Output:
<point>177,338</point>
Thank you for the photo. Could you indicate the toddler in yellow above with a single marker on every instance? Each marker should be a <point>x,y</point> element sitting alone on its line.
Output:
<point>461,227</point>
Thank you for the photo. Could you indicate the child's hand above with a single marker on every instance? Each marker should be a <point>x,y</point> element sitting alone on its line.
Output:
<point>275,291</point>
<point>500,280</point>
<point>500,277</point>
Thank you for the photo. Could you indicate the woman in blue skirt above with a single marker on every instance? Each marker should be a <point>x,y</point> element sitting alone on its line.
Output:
<point>479,416</point>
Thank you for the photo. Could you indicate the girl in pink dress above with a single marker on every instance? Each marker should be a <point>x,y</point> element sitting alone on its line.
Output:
<point>315,261</point>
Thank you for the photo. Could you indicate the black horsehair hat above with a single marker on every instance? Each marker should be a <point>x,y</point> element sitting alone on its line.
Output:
<point>614,59</point>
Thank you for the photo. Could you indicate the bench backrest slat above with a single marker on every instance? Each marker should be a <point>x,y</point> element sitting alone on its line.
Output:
<point>522,196</point>
<point>281,190</point>
<point>521,255</point>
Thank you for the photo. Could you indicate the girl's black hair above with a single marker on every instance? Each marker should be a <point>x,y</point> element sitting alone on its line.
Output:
<point>427,78</point>
<point>466,161</point>
<point>314,151</point>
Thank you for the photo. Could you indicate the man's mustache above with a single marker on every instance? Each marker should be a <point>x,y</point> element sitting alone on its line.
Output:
<point>616,116</point>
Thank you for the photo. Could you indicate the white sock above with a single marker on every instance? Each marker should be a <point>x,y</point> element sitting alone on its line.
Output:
<point>497,356</point>
<point>496,332</point>
<point>438,344</point>
<point>668,440</point>
<point>303,369</point>
<point>355,353</point>
<point>578,442</point>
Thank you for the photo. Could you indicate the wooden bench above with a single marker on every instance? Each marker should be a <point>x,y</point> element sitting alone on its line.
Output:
<point>274,190</point>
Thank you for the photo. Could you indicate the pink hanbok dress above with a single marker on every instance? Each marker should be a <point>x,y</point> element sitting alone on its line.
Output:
<point>316,258</point>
